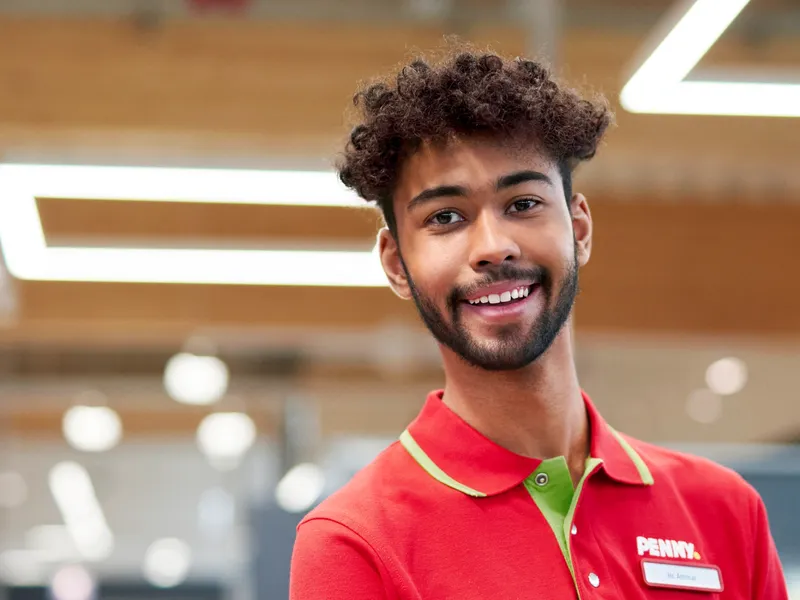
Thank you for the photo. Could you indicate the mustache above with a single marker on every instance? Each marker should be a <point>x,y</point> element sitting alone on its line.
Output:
<point>498,274</point>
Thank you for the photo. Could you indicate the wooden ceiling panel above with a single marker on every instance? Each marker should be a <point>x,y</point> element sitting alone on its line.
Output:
<point>703,268</point>
<point>248,88</point>
<point>759,52</point>
<point>199,306</point>
<point>634,5</point>
<point>216,224</point>
<point>182,421</point>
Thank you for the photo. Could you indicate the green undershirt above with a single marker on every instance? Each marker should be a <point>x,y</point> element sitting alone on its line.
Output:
<point>557,499</point>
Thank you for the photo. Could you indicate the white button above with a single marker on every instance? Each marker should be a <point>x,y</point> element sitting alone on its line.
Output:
<point>541,479</point>
<point>574,530</point>
<point>594,580</point>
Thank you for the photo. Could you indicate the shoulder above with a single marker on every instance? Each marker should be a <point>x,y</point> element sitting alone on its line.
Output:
<point>375,496</point>
<point>336,553</point>
<point>695,477</point>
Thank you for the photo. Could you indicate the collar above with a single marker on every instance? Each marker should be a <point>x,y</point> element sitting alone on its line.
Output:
<point>455,454</point>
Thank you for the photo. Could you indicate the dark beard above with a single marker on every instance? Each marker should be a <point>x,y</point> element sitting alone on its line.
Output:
<point>514,349</point>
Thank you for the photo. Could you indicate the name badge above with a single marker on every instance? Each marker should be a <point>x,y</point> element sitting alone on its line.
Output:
<point>682,576</point>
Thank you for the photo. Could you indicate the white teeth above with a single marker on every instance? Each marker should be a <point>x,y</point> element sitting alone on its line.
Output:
<point>520,292</point>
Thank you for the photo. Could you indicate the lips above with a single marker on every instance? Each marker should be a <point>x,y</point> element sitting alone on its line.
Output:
<point>499,311</point>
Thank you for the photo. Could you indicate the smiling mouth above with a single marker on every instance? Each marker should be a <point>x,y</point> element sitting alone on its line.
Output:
<point>508,297</point>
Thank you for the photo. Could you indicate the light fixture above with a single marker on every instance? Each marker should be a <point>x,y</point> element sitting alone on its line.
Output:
<point>72,582</point>
<point>197,380</point>
<point>658,85</point>
<point>704,406</point>
<point>300,488</point>
<point>92,428</point>
<point>167,562</point>
<point>53,543</point>
<point>726,376</point>
<point>22,568</point>
<point>224,438</point>
<point>75,497</point>
<point>13,490</point>
<point>28,256</point>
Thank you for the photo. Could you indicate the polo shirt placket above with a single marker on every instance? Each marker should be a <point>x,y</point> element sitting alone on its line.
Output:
<point>551,489</point>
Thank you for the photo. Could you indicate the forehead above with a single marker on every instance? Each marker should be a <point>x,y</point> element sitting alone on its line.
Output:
<point>472,163</point>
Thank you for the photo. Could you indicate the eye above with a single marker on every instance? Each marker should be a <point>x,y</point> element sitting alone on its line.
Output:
<point>523,204</point>
<point>445,217</point>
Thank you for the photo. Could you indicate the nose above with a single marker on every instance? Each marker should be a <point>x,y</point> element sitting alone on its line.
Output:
<point>490,243</point>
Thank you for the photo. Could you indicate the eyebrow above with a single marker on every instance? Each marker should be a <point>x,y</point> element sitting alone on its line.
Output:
<point>449,191</point>
<point>442,191</point>
<point>507,181</point>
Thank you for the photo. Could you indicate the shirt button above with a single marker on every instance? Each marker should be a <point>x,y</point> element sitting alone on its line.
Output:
<point>574,530</point>
<point>541,479</point>
<point>594,580</point>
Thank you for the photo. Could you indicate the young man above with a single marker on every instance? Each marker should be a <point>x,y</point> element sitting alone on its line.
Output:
<point>509,483</point>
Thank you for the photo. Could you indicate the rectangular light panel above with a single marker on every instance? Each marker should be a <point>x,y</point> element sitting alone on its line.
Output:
<point>28,257</point>
<point>658,86</point>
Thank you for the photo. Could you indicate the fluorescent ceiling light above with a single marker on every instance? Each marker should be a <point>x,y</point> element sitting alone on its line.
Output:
<point>75,497</point>
<point>29,257</point>
<point>658,85</point>
<point>160,184</point>
<point>167,562</point>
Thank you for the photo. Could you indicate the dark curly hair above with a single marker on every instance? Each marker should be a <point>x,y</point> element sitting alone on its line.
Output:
<point>465,94</point>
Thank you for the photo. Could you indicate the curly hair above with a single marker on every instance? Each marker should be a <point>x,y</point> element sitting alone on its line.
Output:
<point>467,93</point>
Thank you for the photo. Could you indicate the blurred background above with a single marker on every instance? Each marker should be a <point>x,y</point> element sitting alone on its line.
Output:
<point>192,359</point>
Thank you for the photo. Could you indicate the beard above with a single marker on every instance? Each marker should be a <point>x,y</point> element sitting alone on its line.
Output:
<point>513,347</point>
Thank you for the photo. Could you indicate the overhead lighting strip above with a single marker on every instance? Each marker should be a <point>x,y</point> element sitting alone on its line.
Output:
<point>658,85</point>
<point>28,256</point>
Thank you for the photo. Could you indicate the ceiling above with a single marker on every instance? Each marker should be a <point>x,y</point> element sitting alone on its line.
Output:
<point>345,8</point>
<point>686,208</point>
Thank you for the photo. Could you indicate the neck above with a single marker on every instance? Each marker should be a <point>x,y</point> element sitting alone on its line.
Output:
<point>537,411</point>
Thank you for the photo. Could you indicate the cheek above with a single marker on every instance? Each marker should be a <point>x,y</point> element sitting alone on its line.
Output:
<point>549,248</point>
<point>434,274</point>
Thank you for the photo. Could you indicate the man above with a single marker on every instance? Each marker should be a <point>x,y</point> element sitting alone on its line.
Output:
<point>509,483</point>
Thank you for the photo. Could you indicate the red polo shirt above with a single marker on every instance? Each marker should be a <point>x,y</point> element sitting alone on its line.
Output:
<point>446,514</point>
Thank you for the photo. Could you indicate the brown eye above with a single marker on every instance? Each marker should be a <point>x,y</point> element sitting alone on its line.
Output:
<point>523,204</point>
<point>446,217</point>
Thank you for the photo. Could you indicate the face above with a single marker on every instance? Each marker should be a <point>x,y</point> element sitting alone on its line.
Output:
<point>488,248</point>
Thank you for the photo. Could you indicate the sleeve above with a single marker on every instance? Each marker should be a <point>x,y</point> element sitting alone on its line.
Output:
<point>768,577</point>
<point>332,562</point>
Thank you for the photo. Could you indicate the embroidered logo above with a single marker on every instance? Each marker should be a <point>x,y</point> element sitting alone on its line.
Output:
<point>660,548</point>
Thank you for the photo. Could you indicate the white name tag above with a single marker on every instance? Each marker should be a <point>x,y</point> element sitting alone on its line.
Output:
<point>682,576</point>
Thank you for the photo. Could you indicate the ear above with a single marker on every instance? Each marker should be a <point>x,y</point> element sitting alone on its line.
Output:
<point>392,263</point>
<point>581,227</point>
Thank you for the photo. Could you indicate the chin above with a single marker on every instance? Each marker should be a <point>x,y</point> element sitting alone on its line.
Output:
<point>499,365</point>
<point>489,358</point>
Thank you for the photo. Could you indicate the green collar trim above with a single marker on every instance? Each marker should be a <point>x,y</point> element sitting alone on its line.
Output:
<point>644,472</point>
<point>418,454</point>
